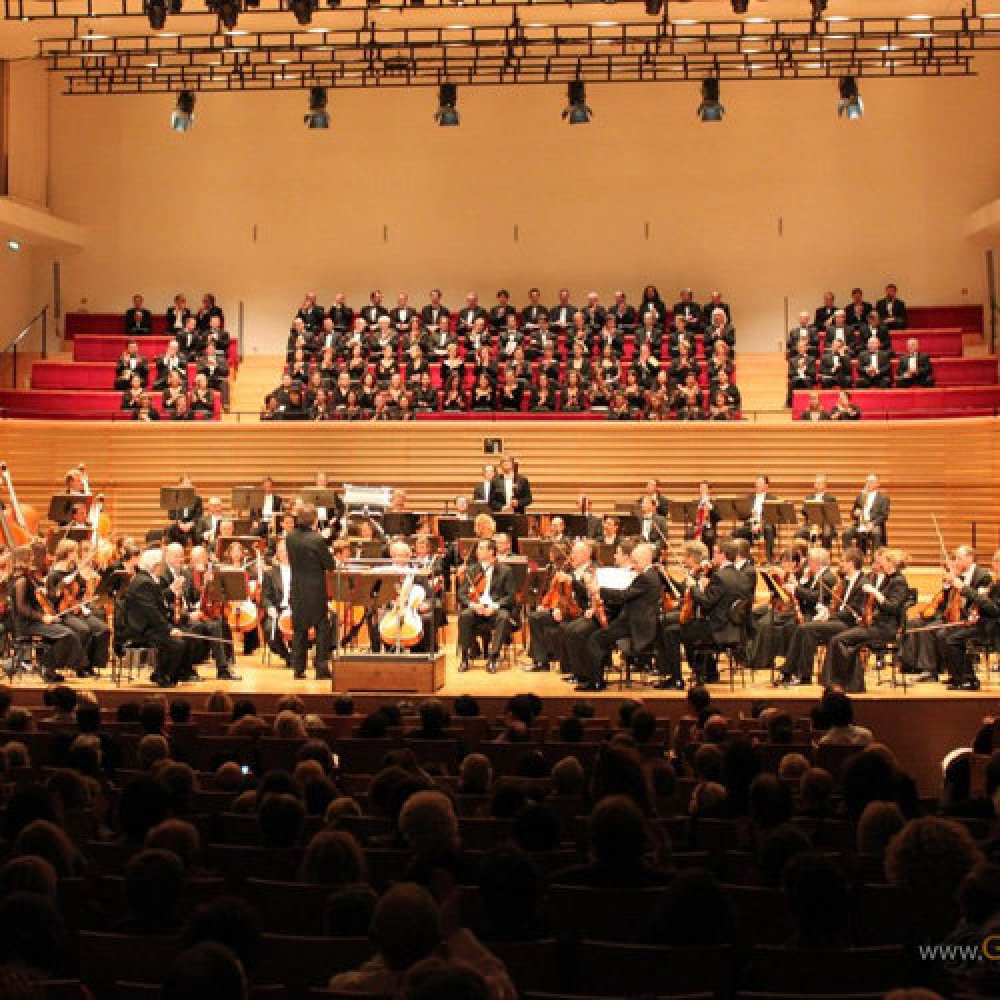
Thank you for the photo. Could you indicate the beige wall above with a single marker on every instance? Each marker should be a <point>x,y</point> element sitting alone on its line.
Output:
<point>28,133</point>
<point>782,199</point>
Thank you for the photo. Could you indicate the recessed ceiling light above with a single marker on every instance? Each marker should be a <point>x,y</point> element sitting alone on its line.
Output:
<point>152,65</point>
<point>13,245</point>
<point>685,20</point>
<point>536,24</point>
<point>168,34</point>
<point>317,31</point>
<point>917,17</point>
<point>95,38</point>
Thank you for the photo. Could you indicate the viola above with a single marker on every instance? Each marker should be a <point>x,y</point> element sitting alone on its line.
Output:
<point>560,596</point>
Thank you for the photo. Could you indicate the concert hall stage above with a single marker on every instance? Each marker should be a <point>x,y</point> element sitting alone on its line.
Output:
<point>921,724</point>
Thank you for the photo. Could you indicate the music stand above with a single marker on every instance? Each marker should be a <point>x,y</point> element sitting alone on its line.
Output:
<point>625,508</point>
<point>453,528</point>
<point>479,507</point>
<point>56,535</point>
<point>397,522</point>
<point>176,497</point>
<point>576,525</point>
<point>535,549</point>
<point>822,514</point>
<point>320,496</point>
<point>515,525</point>
<point>61,506</point>
<point>247,498</point>
<point>684,512</point>
<point>629,524</point>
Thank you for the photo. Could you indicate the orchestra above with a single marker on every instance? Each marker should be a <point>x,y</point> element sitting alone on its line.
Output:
<point>564,590</point>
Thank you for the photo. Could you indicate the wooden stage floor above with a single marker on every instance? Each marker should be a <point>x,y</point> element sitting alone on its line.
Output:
<point>921,724</point>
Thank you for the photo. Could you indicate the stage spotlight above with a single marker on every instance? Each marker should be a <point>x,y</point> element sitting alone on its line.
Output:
<point>227,11</point>
<point>654,7</point>
<point>850,103</point>
<point>576,110</point>
<point>317,116</point>
<point>447,112</point>
<point>156,11</point>
<point>303,10</point>
<point>740,6</point>
<point>183,117</point>
<point>710,109</point>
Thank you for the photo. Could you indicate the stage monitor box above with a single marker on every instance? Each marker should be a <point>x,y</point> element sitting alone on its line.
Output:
<point>403,673</point>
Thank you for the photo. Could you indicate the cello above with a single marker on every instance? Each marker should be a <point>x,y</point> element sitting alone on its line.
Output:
<point>21,520</point>
<point>401,624</point>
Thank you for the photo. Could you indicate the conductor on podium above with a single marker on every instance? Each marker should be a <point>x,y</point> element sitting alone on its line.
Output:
<point>310,560</point>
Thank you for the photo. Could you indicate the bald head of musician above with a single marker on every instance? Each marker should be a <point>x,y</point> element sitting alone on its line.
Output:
<point>305,517</point>
<point>642,556</point>
<point>503,545</point>
<point>817,559</point>
<point>581,554</point>
<point>964,560</point>
<point>484,526</point>
<point>173,556</point>
<point>760,484</point>
<point>819,484</point>
<point>74,481</point>
<point>215,507</point>
<point>150,561</point>
<point>398,500</point>
<point>399,553</point>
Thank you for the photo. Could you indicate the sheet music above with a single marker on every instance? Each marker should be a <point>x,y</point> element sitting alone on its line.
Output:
<point>614,577</point>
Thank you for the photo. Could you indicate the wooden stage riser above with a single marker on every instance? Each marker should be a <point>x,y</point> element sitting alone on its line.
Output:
<point>920,729</point>
<point>950,468</point>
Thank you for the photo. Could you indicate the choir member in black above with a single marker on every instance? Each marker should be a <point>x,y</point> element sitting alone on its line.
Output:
<point>542,338</point>
<point>138,319</point>
<point>891,309</point>
<point>981,615</point>
<point>599,394</point>
<point>534,310</point>
<point>609,340</point>
<point>637,619</point>
<point>803,330</point>
<point>310,313</point>
<point>873,328</point>
<point>133,395</point>
<point>594,314</point>
<point>548,364</point>
<point>202,397</point>
<point>502,312</point>
<point>715,301</point>
<point>649,334</point>
<point>482,393</point>
<point>146,413</point>
<point>720,329</point>
<point>838,329</point>
<point>682,365</point>
<point>435,314</point>
<point>511,491</point>
<point>801,371</point>
<point>402,315</point>
<point>509,393</point>
<point>835,370</point>
<point>185,520</point>
<point>547,625</point>
<point>310,560</point>
<point>774,622</point>
<point>620,408</point>
<point>130,364</point>
<point>426,398</point>
<point>217,335</point>
<point>341,313</point>
<point>923,645</point>
<point>487,597</point>
<point>706,519</point>
<point>874,367</point>
<point>753,527</point>
<point>646,366</point>
<point>886,593</point>
<point>210,524</point>
<point>561,314</point>
<point>452,363</point>
<point>454,396</point>
<point>814,412</point>
<point>367,390</point>
<point>870,516</point>
<point>834,611</point>
<point>471,312</point>
<point>216,371</point>
<point>182,598</point>
<point>857,309</point>
<point>688,309</point>
<point>207,311</point>
<point>652,303</point>
<point>190,340</point>
<point>374,311</point>
<point>845,408</point>
<point>65,583</point>
<point>914,367</point>
<point>170,361</point>
<point>177,315</point>
<point>574,399</point>
<point>625,316</point>
<point>825,313</point>
<point>146,620</point>
<point>714,596</point>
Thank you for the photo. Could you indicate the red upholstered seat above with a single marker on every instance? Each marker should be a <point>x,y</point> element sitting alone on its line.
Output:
<point>941,341</point>
<point>81,375</point>
<point>958,401</point>
<point>82,404</point>
<point>109,347</point>
<point>967,318</point>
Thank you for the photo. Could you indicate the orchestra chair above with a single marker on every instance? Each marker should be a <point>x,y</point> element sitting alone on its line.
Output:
<point>887,654</point>
<point>20,651</point>
<point>632,663</point>
<point>980,651</point>
<point>734,650</point>
<point>130,659</point>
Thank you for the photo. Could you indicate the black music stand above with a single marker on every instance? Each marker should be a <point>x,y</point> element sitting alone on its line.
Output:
<point>247,498</point>
<point>629,524</point>
<point>57,535</point>
<point>249,541</point>
<point>176,497</point>
<point>515,525</point>
<point>111,584</point>
<point>577,525</point>
<point>320,496</point>
<point>684,512</point>
<point>453,528</point>
<point>536,550</point>
<point>61,506</point>
<point>823,514</point>
<point>398,522</point>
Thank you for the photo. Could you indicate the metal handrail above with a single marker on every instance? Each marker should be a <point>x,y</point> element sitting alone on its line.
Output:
<point>43,315</point>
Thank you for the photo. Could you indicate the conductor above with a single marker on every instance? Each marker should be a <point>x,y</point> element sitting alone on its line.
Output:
<point>310,560</point>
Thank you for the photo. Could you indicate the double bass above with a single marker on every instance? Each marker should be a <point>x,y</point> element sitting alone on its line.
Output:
<point>21,520</point>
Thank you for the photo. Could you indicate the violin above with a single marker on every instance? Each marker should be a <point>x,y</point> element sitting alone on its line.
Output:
<point>560,596</point>
<point>686,615</point>
<point>477,587</point>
